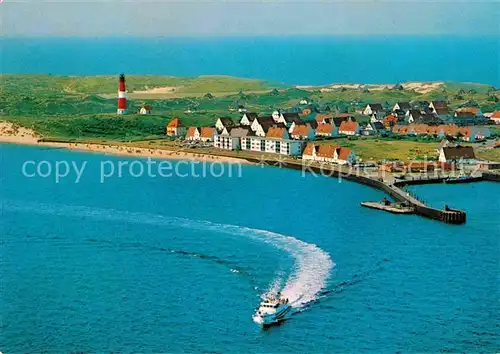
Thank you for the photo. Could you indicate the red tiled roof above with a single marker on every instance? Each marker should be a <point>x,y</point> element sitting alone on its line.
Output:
<point>301,130</point>
<point>324,128</point>
<point>309,149</point>
<point>471,110</point>
<point>400,129</point>
<point>390,120</point>
<point>191,131</point>
<point>175,123</point>
<point>496,115</point>
<point>465,132</point>
<point>433,129</point>
<point>343,153</point>
<point>420,128</point>
<point>348,126</point>
<point>276,132</point>
<point>326,151</point>
<point>207,132</point>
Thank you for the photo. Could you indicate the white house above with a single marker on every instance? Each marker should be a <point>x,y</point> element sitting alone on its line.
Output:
<point>312,123</point>
<point>200,134</point>
<point>145,109</point>
<point>412,116</point>
<point>224,122</point>
<point>372,108</point>
<point>276,115</point>
<point>248,118</point>
<point>303,132</point>
<point>495,117</point>
<point>261,125</point>
<point>175,128</point>
<point>289,118</point>
<point>349,128</point>
<point>193,134</point>
<point>329,153</point>
<point>344,155</point>
<point>277,141</point>
<point>327,130</point>
<point>401,106</point>
<point>373,128</point>
<point>309,152</point>
<point>230,139</point>
<point>438,105</point>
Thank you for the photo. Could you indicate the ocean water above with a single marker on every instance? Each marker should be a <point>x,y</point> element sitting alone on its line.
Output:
<point>179,264</point>
<point>307,60</point>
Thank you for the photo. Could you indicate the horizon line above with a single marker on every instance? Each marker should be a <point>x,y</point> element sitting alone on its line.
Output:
<point>248,35</point>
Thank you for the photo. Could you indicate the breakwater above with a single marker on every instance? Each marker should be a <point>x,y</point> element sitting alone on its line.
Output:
<point>449,215</point>
<point>491,176</point>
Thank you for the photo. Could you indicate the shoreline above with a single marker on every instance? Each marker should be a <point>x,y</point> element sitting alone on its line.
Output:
<point>22,136</point>
<point>19,135</point>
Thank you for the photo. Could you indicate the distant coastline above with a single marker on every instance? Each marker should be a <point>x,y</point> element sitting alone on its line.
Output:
<point>291,60</point>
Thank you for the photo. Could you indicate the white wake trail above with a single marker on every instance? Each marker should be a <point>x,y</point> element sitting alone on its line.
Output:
<point>312,264</point>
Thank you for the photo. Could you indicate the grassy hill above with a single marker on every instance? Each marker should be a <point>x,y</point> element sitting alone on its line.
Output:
<point>95,85</point>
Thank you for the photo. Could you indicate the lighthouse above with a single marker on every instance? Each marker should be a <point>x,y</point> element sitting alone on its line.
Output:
<point>122,96</point>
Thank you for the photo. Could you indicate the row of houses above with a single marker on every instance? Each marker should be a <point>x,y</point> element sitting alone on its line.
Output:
<point>268,134</point>
<point>469,134</point>
<point>280,133</point>
<point>328,153</point>
<point>432,113</point>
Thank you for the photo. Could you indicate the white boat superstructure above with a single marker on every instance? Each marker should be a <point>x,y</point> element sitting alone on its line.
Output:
<point>272,310</point>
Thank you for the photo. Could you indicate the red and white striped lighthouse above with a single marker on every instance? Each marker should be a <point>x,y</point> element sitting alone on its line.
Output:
<point>122,96</point>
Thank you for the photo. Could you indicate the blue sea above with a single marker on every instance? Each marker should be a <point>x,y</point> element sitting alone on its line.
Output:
<point>178,264</point>
<point>306,60</point>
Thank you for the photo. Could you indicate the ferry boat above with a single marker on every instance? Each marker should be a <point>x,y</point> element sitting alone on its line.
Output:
<point>272,310</point>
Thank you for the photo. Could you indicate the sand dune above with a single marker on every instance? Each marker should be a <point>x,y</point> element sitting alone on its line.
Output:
<point>421,87</point>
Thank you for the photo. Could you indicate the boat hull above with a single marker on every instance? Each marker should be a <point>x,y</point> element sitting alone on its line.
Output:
<point>462,180</point>
<point>270,319</point>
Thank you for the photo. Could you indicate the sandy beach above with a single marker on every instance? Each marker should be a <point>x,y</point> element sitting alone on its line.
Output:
<point>12,134</point>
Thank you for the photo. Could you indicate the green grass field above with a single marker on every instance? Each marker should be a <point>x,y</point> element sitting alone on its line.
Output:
<point>374,149</point>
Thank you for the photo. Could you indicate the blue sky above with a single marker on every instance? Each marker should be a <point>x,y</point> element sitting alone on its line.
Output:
<point>237,17</point>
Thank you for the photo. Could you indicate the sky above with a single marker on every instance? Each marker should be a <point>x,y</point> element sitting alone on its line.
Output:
<point>91,18</point>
